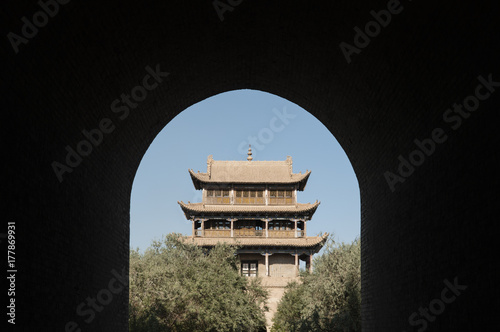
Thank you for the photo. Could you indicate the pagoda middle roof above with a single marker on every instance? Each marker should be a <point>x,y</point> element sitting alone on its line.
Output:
<point>249,172</point>
<point>201,208</point>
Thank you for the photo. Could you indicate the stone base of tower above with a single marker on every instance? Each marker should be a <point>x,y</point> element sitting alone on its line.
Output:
<point>276,288</point>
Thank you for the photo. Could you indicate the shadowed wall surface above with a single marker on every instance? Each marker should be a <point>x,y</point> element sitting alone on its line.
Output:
<point>438,224</point>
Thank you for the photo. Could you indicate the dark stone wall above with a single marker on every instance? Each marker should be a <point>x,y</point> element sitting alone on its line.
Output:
<point>439,224</point>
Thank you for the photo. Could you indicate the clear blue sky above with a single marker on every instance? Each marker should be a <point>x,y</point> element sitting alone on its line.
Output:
<point>221,125</point>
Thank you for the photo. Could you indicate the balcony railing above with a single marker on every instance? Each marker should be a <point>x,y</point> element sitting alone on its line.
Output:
<point>285,233</point>
<point>243,232</point>
<point>248,232</point>
<point>217,200</point>
<point>217,232</point>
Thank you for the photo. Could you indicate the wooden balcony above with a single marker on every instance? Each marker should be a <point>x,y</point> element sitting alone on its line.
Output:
<point>217,233</point>
<point>285,233</point>
<point>246,232</point>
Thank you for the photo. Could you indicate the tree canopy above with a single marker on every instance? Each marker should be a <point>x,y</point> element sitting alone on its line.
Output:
<point>329,299</point>
<point>175,286</point>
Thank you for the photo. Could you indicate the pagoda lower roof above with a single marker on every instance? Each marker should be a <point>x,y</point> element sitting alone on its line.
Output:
<point>301,242</point>
<point>201,208</point>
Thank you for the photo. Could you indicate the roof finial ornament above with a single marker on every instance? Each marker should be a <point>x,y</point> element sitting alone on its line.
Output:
<point>249,158</point>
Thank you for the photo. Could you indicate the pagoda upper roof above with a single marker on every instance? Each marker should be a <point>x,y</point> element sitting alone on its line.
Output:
<point>249,172</point>
<point>305,242</point>
<point>202,208</point>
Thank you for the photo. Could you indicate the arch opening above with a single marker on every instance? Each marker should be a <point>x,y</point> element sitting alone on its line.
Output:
<point>226,127</point>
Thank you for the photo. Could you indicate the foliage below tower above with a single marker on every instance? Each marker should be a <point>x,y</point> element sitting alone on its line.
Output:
<point>176,286</point>
<point>329,299</point>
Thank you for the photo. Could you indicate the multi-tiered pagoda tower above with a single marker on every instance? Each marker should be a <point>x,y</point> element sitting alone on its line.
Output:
<point>253,204</point>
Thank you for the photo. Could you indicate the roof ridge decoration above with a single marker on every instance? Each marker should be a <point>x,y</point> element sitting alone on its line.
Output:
<point>210,161</point>
<point>289,161</point>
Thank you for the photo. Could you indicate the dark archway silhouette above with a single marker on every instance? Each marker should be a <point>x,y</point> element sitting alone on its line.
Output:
<point>72,236</point>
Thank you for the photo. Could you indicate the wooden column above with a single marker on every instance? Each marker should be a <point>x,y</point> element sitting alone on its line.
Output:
<point>305,228</point>
<point>295,221</point>
<point>267,226</point>
<point>232,220</point>
<point>266,196</point>
<point>296,264</point>
<point>194,228</point>
<point>202,227</point>
<point>267,264</point>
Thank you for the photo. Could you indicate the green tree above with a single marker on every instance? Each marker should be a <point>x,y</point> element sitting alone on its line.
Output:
<point>175,286</point>
<point>288,315</point>
<point>329,299</point>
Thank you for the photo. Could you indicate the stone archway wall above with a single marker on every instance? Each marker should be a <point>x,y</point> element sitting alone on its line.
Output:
<point>73,236</point>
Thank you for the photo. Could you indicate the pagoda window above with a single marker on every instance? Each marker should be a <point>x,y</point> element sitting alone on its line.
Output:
<point>249,197</point>
<point>280,225</point>
<point>249,268</point>
<point>221,224</point>
<point>248,228</point>
<point>279,197</point>
<point>282,228</point>
<point>245,224</point>
<point>259,199</point>
<point>217,196</point>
